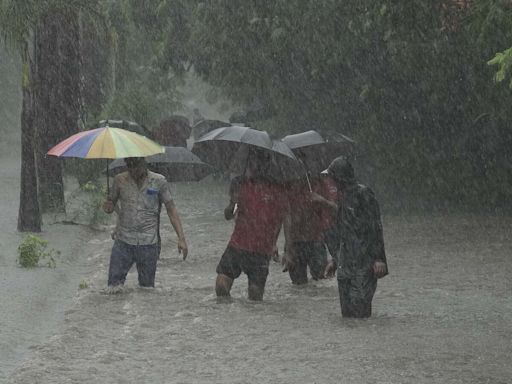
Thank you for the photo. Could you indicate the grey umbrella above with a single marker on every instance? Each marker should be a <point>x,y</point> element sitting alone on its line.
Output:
<point>316,152</point>
<point>228,149</point>
<point>204,126</point>
<point>176,164</point>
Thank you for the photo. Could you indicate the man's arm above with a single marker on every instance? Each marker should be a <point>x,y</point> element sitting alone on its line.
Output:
<point>376,240</point>
<point>174,217</point>
<point>110,202</point>
<point>317,198</point>
<point>288,260</point>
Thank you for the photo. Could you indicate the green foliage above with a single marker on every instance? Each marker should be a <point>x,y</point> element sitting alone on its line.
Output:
<point>32,250</point>
<point>143,90</point>
<point>85,204</point>
<point>503,60</point>
<point>95,196</point>
<point>18,18</point>
<point>83,284</point>
<point>406,79</point>
<point>85,170</point>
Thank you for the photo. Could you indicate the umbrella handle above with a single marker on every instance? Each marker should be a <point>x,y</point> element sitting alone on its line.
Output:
<point>307,175</point>
<point>108,186</point>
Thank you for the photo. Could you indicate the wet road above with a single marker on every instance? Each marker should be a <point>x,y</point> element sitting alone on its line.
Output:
<point>443,315</point>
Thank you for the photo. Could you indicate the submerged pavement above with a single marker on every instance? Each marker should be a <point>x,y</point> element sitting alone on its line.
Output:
<point>443,315</point>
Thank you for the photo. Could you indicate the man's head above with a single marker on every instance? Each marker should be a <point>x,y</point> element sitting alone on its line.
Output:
<point>311,161</point>
<point>341,171</point>
<point>258,163</point>
<point>136,167</point>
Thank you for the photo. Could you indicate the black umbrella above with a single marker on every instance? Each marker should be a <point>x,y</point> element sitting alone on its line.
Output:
<point>176,164</point>
<point>229,148</point>
<point>316,152</point>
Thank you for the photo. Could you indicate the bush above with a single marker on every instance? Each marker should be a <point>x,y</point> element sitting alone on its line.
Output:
<point>33,249</point>
<point>85,170</point>
<point>94,205</point>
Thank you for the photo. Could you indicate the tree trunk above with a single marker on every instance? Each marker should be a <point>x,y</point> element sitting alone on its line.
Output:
<point>29,215</point>
<point>57,98</point>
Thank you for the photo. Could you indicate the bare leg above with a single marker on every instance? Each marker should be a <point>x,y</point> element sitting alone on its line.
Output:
<point>255,290</point>
<point>223,286</point>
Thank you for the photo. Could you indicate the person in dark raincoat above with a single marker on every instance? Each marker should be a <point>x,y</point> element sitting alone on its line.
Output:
<point>361,258</point>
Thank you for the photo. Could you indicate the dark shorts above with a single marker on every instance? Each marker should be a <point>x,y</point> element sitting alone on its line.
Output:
<point>310,254</point>
<point>124,255</point>
<point>235,261</point>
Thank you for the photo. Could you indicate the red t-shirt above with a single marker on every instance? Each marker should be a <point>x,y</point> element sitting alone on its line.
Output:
<point>262,207</point>
<point>309,220</point>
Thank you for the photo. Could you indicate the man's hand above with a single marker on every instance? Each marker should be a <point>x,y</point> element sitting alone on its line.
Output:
<point>108,206</point>
<point>379,269</point>
<point>275,254</point>
<point>287,261</point>
<point>330,269</point>
<point>182,247</point>
<point>230,211</point>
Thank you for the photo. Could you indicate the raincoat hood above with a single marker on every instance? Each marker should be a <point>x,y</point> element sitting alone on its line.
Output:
<point>341,171</point>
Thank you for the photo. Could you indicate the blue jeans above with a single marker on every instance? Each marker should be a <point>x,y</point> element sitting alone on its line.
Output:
<point>124,255</point>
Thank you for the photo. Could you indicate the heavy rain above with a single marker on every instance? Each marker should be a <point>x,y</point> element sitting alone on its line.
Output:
<point>302,191</point>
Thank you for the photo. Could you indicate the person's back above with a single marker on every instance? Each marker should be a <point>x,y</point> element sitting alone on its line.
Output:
<point>305,216</point>
<point>261,209</point>
<point>306,234</point>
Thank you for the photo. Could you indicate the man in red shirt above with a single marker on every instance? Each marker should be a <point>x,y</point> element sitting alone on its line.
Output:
<point>310,217</point>
<point>259,206</point>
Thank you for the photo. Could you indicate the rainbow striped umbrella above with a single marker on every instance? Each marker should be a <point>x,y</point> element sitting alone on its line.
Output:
<point>106,143</point>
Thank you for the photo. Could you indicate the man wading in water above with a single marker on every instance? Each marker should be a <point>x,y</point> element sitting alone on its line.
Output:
<point>139,194</point>
<point>262,205</point>
<point>361,259</point>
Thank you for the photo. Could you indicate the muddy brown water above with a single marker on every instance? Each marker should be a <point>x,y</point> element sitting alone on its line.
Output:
<point>443,315</point>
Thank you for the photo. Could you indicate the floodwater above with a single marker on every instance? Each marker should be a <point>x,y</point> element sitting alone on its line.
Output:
<point>443,315</point>
<point>32,301</point>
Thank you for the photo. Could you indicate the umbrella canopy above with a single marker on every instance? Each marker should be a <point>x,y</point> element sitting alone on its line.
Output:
<point>176,164</point>
<point>205,126</point>
<point>173,131</point>
<point>316,152</point>
<point>106,143</point>
<point>128,125</point>
<point>229,148</point>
